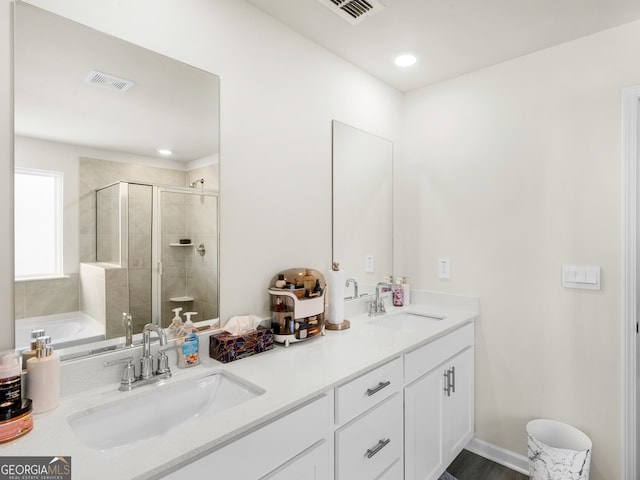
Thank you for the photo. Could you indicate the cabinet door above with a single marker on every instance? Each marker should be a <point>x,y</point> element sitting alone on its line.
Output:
<point>424,434</point>
<point>459,406</point>
<point>310,465</point>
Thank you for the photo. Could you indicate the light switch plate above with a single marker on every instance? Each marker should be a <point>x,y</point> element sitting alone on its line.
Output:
<point>369,263</point>
<point>444,268</point>
<point>581,276</point>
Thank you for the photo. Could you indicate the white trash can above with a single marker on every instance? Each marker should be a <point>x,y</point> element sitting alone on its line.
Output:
<point>557,451</point>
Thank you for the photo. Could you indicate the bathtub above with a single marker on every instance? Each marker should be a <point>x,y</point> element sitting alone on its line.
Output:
<point>65,329</point>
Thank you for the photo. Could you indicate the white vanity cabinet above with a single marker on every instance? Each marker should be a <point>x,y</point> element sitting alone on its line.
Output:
<point>369,440</point>
<point>406,419</point>
<point>312,464</point>
<point>291,447</point>
<point>439,403</point>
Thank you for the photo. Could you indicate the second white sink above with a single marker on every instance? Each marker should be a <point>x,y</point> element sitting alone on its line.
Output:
<point>406,322</point>
<point>161,409</point>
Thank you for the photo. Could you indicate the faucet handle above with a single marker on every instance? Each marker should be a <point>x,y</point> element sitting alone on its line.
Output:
<point>128,374</point>
<point>381,307</point>
<point>163,363</point>
<point>119,361</point>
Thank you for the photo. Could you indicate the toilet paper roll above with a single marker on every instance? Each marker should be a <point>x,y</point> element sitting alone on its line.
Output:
<point>335,280</point>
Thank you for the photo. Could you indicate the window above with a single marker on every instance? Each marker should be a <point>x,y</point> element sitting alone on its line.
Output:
<point>38,223</point>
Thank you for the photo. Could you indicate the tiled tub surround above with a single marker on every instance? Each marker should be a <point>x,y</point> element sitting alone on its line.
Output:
<point>46,296</point>
<point>328,361</point>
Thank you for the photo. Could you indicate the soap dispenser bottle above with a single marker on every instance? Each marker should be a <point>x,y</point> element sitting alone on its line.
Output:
<point>176,323</point>
<point>188,355</point>
<point>27,354</point>
<point>43,377</point>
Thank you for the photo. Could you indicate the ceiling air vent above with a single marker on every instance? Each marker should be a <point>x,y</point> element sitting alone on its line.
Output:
<point>109,82</point>
<point>353,11</point>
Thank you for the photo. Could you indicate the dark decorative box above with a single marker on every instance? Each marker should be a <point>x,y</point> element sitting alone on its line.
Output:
<point>226,348</point>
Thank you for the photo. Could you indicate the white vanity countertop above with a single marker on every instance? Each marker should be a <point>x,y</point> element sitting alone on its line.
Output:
<point>289,377</point>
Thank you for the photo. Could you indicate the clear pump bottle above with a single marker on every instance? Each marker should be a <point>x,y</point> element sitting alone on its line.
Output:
<point>176,323</point>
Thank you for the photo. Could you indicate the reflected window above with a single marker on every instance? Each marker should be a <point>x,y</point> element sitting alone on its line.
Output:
<point>38,223</point>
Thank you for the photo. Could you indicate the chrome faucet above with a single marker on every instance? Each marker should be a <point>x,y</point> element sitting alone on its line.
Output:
<point>355,286</point>
<point>127,321</point>
<point>146,362</point>
<point>147,375</point>
<point>377,306</point>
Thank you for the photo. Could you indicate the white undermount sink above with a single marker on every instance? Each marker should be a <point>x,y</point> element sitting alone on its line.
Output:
<point>407,322</point>
<point>160,409</point>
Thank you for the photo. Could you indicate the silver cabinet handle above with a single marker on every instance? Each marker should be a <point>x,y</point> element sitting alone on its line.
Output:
<point>447,383</point>
<point>453,379</point>
<point>377,388</point>
<point>450,381</point>
<point>381,444</point>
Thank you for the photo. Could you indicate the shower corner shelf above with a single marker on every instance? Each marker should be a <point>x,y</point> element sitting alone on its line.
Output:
<point>181,299</point>
<point>181,244</point>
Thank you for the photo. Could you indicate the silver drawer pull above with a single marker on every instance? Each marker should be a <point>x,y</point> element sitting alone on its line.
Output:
<point>377,388</point>
<point>381,444</point>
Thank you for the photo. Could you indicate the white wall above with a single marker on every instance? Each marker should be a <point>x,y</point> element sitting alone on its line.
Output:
<point>511,172</point>
<point>279,93</point>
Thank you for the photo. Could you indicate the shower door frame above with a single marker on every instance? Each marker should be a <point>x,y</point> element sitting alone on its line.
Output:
<point>156,233</point>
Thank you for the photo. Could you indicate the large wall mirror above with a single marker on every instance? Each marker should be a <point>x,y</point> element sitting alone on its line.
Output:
<point>362,205</point>
<point>116,185</point>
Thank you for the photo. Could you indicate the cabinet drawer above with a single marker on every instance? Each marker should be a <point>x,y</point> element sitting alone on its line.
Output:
<point>287,437</point>
<point>368,390</point>
<point>394,473</point>
<point>370,444</point>
<point>428,357</point>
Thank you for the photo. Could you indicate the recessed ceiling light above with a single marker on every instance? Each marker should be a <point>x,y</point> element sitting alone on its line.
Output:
<point>165,152</point>
<point>405,60</point>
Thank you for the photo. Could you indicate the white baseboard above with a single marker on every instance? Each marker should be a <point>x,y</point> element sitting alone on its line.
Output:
<point>500,455</point>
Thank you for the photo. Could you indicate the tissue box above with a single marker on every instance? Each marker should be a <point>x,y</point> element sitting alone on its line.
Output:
<point>226,347</point>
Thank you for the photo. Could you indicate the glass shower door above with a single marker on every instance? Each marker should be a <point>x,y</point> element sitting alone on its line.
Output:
<point>187,251</point>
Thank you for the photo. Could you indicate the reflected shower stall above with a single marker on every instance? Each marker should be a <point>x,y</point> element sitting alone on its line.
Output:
<point>156,249</point>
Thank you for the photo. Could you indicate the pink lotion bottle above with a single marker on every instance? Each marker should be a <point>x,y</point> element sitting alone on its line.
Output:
<point>43,377</point>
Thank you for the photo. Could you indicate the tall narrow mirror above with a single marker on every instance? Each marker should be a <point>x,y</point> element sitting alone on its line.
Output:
<point>362,205</point>
<point>116,186</point>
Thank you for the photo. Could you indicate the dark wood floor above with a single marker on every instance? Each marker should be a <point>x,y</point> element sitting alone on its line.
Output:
<point>469,466</point>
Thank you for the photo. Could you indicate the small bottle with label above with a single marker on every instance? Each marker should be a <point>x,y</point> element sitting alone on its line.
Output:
<point>188,355</point>
<point>10,381</point>
<point>281,282</point>
<point>398,293</point>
